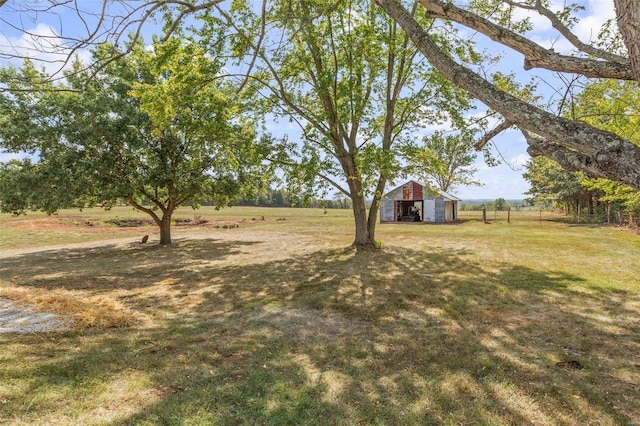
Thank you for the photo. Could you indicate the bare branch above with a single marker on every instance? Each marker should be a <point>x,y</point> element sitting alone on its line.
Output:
<point>117,22</point>
<point>492,134</point>
<point>566,33</point>
<point>535,55</point>
<point>334,184</point>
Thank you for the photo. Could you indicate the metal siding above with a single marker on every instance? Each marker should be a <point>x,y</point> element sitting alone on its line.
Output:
<point>439,218</point>
<point>387,211</point>
<point>396,195</point>
<point>449,211</point>
<point>429,213</point>
<point>443,209</point>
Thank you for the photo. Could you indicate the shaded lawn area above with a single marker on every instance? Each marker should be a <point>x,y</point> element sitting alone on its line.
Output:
<point>402,336</point>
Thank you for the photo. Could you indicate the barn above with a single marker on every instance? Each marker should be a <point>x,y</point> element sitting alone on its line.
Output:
<point>412,202</point>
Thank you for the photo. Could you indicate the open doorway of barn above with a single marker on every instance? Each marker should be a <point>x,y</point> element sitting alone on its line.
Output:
<point>409,211</point>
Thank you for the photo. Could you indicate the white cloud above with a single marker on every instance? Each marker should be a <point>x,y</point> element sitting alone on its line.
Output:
<point>42,45</point>
<point>539,22</point>
<point>519,161</point>
<point>591,20</point>
<point>499,182</point>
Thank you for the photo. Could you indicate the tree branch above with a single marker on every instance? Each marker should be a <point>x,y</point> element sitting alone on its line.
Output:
<point>628,19</point>
<point>566,33</point>
<point>615,157</point>
<point>568,159</point>
<point>492,134</point>
<point>150,212</point>
<point>535,55</point>
<point>334,184</point>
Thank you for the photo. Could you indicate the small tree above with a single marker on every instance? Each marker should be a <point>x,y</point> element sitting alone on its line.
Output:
<point>157,129</point>
<point>500,204</point>
<point>443,161</point>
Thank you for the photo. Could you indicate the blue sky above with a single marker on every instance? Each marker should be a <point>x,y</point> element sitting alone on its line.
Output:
<point>503,181</point>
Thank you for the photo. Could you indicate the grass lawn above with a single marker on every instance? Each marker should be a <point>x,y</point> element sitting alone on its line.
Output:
<point>274,322</point>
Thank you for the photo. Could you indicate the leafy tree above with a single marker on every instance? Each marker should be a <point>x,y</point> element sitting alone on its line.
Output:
<point>550,183</point>
<point>157,129</point>
<point>500,204</point>
<point>344,71</point>
<point>615,106</point>
<point>610,105</point>
<point>443,161</point>
<point>347,75</point>
<point>617,197</point>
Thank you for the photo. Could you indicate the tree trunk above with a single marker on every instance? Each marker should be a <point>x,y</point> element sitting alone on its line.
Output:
<point>363,239</point>
<point>165,229</point>
<point>365,234</point>
<point>628,20</point>
<point>163,223</point>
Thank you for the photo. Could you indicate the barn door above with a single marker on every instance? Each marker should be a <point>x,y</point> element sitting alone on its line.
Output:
<point>429,211</point>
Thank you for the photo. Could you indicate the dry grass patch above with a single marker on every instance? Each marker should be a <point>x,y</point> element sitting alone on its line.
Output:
<point>79,311</point>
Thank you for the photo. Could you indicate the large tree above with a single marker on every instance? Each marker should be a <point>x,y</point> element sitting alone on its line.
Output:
<point>607,104</point>
<point>572,143</point>
<point>158,129</point>
<point>349,77</point>
<point>344,71</point>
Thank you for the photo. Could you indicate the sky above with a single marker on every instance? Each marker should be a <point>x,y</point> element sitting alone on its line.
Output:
<point>502,181</point>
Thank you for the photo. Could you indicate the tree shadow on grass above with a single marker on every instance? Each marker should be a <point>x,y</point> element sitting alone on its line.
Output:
<point>111,266</point>
<point>399,336</point>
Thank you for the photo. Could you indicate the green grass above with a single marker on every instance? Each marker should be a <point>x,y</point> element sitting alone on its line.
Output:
<point>275,323</point>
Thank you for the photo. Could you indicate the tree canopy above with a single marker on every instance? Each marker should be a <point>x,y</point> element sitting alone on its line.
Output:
<point>444,161</point>
<point>575,144</point>
<point>159,128</point>
<point>607,104</point>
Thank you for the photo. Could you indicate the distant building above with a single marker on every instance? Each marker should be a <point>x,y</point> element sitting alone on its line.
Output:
<point>412,202</point>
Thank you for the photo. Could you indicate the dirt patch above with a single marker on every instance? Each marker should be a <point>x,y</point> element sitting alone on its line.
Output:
<point>195,221</point>
<point>75,224</point>
<point>53,222</point>
<point>130,223</point>
<point>306,323</point>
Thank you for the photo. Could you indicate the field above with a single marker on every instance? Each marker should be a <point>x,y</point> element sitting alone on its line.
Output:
<point>274,322</point>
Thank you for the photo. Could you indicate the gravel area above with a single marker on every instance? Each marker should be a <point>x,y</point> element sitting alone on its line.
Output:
<point>15,318</point>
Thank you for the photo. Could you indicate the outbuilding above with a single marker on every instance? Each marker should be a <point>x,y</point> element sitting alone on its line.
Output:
<point>412,202</point>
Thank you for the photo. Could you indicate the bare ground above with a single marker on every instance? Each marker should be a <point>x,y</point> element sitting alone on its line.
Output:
<point>21,316</point>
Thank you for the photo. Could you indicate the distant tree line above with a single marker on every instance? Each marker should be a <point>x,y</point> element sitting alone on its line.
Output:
<point>499,204</point>
<point>282,198</point>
